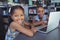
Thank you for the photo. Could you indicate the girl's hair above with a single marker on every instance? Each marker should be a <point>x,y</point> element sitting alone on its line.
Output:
<point>12,9</point>
<point>15,7</point>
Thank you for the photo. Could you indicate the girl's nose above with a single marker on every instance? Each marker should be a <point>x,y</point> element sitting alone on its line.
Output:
<point>19,17</point>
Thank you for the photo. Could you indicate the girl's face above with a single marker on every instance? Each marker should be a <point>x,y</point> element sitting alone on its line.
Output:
<point>40,11</point>
<point>18,16</point>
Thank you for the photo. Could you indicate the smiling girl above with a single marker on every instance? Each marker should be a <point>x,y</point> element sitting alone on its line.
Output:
<point>17,24</point>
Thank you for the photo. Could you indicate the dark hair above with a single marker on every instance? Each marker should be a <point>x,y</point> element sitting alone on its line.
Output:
<point>40,6</point>
<point>13,8</point>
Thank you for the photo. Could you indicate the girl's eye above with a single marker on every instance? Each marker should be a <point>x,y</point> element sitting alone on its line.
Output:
<point>21,15</point>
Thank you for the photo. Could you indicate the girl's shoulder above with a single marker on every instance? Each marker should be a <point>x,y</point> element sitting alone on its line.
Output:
<point>12,24</point>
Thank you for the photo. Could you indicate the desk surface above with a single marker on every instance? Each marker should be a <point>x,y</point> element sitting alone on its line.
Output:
<point>53,35</point>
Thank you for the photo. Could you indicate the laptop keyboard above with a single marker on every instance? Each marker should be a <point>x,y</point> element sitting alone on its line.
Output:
<point>43,29</point>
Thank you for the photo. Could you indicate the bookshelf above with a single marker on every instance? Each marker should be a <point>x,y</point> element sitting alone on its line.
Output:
<point>31,13</point>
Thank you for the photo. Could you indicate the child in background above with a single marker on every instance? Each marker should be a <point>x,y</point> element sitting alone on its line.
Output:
<point>41,18</point>
<point>17,24</point>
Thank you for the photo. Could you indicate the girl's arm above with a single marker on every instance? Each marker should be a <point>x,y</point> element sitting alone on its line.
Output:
<point>26,25</point>
<point>22,29</point>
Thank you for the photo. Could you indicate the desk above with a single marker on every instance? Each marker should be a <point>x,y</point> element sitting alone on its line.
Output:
<point>53,35</point>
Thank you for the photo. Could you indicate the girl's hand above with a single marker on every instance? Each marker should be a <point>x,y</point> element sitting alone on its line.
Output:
<point>45,22</point>
<point>19,23</point>
<point>42,22</point>
<point>27,23</point>
<point>33,29</point>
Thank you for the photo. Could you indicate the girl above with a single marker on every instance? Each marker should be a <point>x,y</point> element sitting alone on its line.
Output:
<point>16,26</point>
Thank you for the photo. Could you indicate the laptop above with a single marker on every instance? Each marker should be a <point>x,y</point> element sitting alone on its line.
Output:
<point>52,23</point>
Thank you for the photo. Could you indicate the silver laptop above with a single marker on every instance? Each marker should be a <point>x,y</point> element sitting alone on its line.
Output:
<point>52,23</point>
